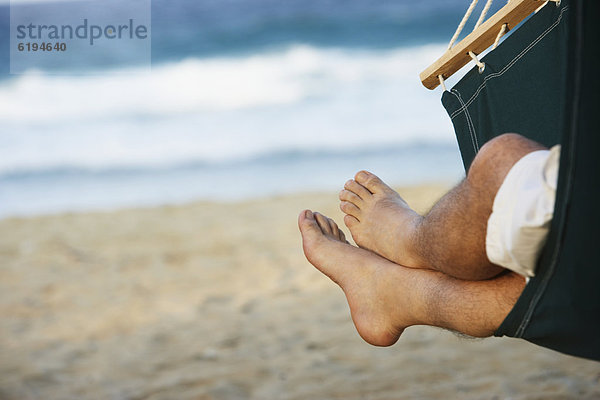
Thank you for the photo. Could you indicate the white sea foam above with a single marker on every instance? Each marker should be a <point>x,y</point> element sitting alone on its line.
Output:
<point>215,109</point>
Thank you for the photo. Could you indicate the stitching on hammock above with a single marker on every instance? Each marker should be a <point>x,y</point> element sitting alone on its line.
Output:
<point>509,65</point>
<point>467,118</point>
<point>471,121</point>
<point>470,124</point>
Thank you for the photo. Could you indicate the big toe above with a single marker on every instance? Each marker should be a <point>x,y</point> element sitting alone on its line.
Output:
<point>371,182</point>
<point>313,239</point>
<point>313,235</point>
<point>309,228</point>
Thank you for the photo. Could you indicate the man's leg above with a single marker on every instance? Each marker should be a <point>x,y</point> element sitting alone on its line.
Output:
<point>386,298</point>
<point>451,237</point>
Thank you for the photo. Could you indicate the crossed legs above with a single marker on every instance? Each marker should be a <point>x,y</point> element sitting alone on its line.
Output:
<point>419,270</point>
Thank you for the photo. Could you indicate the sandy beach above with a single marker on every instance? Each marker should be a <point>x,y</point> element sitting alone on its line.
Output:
<point>216,301</point>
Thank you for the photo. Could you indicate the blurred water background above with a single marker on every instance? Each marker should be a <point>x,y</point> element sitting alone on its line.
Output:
<point>246,98</point>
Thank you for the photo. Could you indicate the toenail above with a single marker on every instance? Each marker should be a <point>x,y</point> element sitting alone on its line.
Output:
<point>363,175</point>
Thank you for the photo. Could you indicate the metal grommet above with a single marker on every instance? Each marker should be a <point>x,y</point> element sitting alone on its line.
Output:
<point>482,68</point>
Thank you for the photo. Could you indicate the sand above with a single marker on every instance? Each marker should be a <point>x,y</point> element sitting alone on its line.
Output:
<point>216,301</point>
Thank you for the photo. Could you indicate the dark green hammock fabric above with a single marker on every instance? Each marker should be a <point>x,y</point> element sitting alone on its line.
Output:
<point>543,82</point>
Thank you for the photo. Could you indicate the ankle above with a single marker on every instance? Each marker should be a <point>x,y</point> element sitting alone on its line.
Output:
<point>411,247</point>
<point>409,295</point>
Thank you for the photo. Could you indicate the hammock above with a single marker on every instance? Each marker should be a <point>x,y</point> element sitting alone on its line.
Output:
<point>542,82</point>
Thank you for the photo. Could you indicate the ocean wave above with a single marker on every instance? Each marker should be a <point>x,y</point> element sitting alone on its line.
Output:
<point>220,108</point>
<point>213,84</point>
<point>316,155</point>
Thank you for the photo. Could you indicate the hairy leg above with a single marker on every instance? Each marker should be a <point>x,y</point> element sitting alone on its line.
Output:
<point>451,237</point>
<point>385,298</point>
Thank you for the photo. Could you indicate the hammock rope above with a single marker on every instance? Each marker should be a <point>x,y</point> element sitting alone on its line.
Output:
<point>442,84</point>
<point>483,14</point>
<point>479,63</point>
<point>480,21</point>
<point>500,34</point>
<point>462,23</point>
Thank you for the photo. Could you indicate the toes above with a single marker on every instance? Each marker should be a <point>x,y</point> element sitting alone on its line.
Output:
<point>357,189</point>
<point>338,233</point>
<point>342,237</point>
<point>346,195</point>
<point>309,228</point>
<point>350,209</point>
<point>323,222</point>
<point>313,224</point>
<point>335,230</point>
<point>371,182</point>
<point>350,221</point>
<point>307,222</point>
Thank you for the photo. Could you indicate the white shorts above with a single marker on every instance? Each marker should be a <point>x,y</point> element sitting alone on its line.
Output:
<point>522,212</point>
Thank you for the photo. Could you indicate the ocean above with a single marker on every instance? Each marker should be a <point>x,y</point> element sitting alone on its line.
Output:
<point>245,98</point>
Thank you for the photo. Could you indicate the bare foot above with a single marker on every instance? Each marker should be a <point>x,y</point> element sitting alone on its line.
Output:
<point>378,293</point>
<point>379,219</point>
